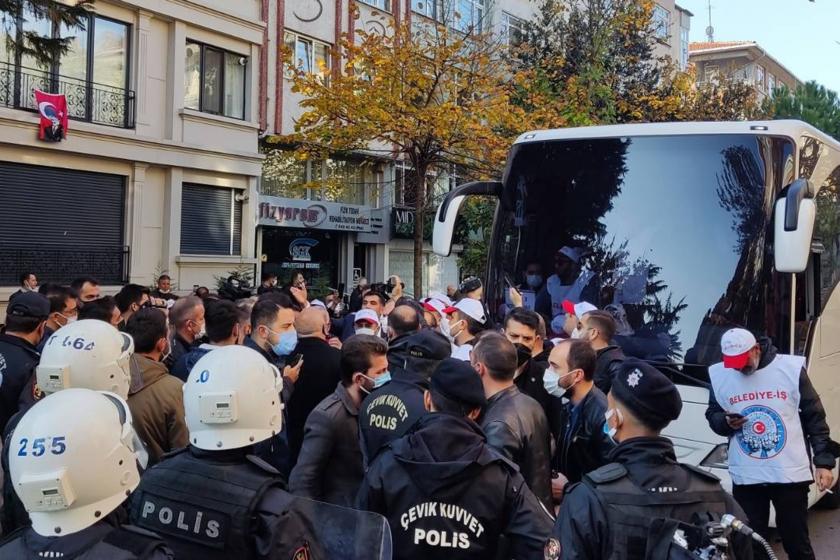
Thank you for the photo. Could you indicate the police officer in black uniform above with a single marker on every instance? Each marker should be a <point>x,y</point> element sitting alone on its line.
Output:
<point>216,500</point>
<point>632,507</point>
<point>445,492</point>
<point>72,472</point>
<point>390,411</point>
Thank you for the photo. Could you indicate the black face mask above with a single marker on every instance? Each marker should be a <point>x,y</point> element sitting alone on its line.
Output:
<point>523,354</point>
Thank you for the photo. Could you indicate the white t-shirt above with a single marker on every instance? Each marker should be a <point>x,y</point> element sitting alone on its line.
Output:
<point>462,352</point>
<point>560,292</point>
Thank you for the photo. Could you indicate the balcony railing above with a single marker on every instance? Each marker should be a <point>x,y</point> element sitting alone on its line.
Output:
<point>109,265</point>
<point>86,101</point>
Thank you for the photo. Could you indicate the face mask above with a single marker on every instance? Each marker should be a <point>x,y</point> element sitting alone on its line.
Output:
<point>168,352</point>
<point>447,331</point>
<point>68,319</point>
<point>286,343</point>
<point>577,333</point>
<point>383,379</point>
<point>551,382</point>
<point>610,432</point>
<point>534,280</point>
<point>201,331</point>
<point>523,354</point>
<point>362,386</point>
<point>366,330</point>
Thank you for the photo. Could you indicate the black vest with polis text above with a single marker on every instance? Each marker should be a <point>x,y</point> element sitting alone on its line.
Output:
<point>123,543</point>
<point>641,522</point>
<point>203,507</point>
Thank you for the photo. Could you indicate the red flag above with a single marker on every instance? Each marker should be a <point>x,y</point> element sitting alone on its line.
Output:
<point>54,119</point>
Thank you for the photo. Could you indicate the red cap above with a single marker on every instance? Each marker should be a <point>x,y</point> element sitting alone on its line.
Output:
<point>450,310</point>
<point>736,362</point>
<point>568,307</point>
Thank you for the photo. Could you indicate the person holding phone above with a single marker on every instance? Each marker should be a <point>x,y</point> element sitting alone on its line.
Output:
<point>764,402</point>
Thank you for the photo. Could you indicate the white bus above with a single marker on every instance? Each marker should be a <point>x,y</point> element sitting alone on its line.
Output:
<point>681,230</point>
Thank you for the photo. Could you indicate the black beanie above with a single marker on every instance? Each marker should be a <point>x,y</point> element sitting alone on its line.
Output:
<point>648,394</point>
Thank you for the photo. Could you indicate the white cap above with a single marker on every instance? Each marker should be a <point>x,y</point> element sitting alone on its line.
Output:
<point>368,315</point>
<point>441,297</point>
<point>74,460</point>
<point>583,308</point>
<point>86,354</point>
<point>317,303</point>
<point>735,344</point>
<point>435,304</point>
<point>573,253</point>
<point>470,307</point>
<point>232,399</point>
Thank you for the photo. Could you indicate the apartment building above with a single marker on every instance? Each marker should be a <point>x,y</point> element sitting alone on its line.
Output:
<point>745,61</point>
<point>160,165</point>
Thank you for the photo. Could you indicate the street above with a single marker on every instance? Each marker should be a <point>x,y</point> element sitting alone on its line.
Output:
<point>825,533</point>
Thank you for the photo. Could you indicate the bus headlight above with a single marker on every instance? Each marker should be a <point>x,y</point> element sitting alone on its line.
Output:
<point>718,458</point>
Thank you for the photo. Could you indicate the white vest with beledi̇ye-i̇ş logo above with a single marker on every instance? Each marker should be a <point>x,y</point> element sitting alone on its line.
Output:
<point>770,448</point>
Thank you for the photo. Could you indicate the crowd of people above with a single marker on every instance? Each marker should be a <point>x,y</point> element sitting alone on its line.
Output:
<point>147,425</point>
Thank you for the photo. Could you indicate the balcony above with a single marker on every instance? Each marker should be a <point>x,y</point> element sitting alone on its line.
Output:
<point>62,264</point>
<point>86,101</point>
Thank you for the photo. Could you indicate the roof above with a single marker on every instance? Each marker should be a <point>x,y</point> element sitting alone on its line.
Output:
<point>786,128</point>
<point>719,45</point>
<point>680,8</point>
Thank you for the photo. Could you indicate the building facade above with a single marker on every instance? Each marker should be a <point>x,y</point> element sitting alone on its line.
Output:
<point>744,61</point>
<point>672,24</point>
<point>358,219</point>
<point>160,165</point>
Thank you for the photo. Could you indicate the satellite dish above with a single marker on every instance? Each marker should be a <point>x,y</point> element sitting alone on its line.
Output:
<point>710,33</point>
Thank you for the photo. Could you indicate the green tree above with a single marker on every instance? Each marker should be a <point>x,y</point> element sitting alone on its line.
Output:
<point>45,50</point>
<point>810,102</point>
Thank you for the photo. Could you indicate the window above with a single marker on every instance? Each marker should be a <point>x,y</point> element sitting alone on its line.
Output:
<point>468,15</point>
<point>426,8</point>
<point>92,73</point>
<point>710,73</point>
<point>513,30</point>
<point>211,221</point>
<point>661,21</point>
<point>310,56</point>
<point>759,76</point>
<point>381,4</point>
<point>214,81</point>
<point>771,83</point>
<point>683,48</point>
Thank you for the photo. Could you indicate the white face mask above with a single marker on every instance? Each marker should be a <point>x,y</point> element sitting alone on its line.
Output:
<point>366,330</point>
<point>610,432</point>
<point>68,320</point>
<point>551,382</point>
<point>577,333</point>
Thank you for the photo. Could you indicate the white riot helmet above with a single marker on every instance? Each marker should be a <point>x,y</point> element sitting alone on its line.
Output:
<point>87,354</point>
<point>73,461</point>
<point>232,399</point>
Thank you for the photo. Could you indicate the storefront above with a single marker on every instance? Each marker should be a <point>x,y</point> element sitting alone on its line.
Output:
<point>322,240</point>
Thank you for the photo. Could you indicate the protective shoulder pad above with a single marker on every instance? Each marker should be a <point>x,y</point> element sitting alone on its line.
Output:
<point>139,542</point>
<point>698,471</point>
<point>261,464</point>
<point>607,473</point>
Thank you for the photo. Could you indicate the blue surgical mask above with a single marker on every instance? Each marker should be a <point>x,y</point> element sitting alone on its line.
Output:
<point>610,432</point>
<point>383,379</point>
<point>286,343</point>
<point>534,280</point>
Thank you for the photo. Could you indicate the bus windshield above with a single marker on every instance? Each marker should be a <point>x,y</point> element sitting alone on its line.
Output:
<point>671,235</point>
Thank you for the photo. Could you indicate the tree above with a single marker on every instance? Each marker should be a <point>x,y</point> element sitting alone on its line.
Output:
<point>422,92</point>
<point>45,50</point>
<point>812,103</point>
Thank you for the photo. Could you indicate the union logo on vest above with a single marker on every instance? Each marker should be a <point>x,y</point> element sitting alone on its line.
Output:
<point>764,435</point>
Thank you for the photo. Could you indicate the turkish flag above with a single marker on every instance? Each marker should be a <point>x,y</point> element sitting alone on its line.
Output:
<point>53,110</point>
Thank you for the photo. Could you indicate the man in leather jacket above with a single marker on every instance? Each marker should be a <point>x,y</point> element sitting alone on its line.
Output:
<point>582,445</point>
<point>598,331</point>
<point>514,423</point>
<point>445,492</point>
<point>631,508</point>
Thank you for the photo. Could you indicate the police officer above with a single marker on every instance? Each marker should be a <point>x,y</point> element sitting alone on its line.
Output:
<point>445,492</point>
<point>72,471</point>
<point>214,499</point>
<point>765,404</point>
<point>390,411</point>
<point>86,354</point>
<point>632,507</point>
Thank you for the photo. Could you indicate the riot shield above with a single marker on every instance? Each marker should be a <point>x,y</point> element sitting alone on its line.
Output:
<point>311,530</point>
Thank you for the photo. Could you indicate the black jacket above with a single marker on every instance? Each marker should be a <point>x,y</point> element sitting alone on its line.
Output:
<point>515,425</point>
<point>530,382</point>
<point>398,353</point>
<point>320,373</point>
<point>329,467</point>
<point>389,412</point>
<point>179,348</point>
<point>447,494</point>
<point>607,366</point>
<point>586,447</point>
<point>18,359</point>
<point>582,528</point>
<point>811,413</point>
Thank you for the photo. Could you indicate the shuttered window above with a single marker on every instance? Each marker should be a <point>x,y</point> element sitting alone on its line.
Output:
<point>211,221</point>
<point>61,224</point>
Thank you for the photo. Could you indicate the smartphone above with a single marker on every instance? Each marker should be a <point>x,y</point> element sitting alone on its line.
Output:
<point>509,282</point>
<point>294,360</point>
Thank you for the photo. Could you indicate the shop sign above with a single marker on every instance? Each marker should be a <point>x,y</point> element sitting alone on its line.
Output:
<point>402,220</point>
<point>311,214</point>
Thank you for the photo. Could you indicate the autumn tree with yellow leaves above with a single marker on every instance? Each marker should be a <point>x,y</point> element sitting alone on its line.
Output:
<point>424,92</point>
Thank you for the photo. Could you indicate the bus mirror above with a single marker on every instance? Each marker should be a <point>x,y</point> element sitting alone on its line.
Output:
<point>445,227</point>
<point>448,212</point>
<point>794,227</point>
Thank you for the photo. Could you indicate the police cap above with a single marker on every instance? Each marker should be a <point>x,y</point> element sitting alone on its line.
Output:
<point>648,394</point>
<point>458,381</point>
